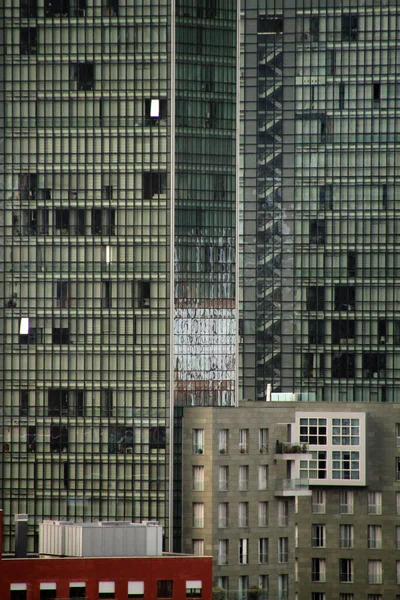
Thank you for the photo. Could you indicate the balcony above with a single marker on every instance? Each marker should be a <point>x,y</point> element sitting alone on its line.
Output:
<point>291,450</point>
<point>292,487</point>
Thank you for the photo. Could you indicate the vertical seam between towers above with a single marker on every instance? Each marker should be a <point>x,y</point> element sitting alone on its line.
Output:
<point>237,207</point>
<point>172,287</point>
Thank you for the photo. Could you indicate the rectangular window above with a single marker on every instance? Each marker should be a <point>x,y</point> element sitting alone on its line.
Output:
<point>154,184</point>
<point>263,514</point>
<point>223,552</point>
<point>283,587</point>
<point>243,478</point>
<point>349,28</point>
<point>318,536</point>
<point>397,435</point>
<point>397,503</point>
<point>397,573</point>
<point>135,589</point>
<point>18,591</point>
<point>193,589</point>
<point>283,513</point>
<point>346,502</point>
<point>263,441</point>
<point>23,403</point>
<point>165,588</point>
<point>397,468</point>
<point>318,569</point>
<point>62,294</point>
<point>223,437</point>
<point>374,503</point>
<point>106,589</point>
<point>283,550</point>
<point>198,514</point>
<point>346,536</point>
<point>319,502</point>
<point>263,551</point>
<point>82,74</point>
<point>223,514</point>
<point>346,596</point>
<point>243,441</point>
<point>197,441</point>
<point>157,438</point>
<point>313,431</point>
<point>318,596</point>
<point>346,573</point>
<point>315,298</point>
<point>263,477</point>
<point>398,537</point>
<point>375,537</point>
<point>263,582</point>
<point>243,551</point>
<point>345,465</point>
<point>223,480</point>
<point>106,403</point>
<point>58,438</point>
<point>198,478</point>
<point>198,547</point>
<point>27,9</point>
<point>375,571</point>
<point>28,41</point>
<point>243,514</point>
<point>77,589</point>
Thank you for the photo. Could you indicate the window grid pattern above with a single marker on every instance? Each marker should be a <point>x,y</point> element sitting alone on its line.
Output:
<point>85,237</point>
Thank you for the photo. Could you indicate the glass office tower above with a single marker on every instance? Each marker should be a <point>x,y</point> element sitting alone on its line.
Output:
<point>320,106</point>
<point>118,227</point>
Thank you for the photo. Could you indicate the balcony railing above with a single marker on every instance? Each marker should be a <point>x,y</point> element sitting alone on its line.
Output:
<point>291,485</point>
<point>291,448</point>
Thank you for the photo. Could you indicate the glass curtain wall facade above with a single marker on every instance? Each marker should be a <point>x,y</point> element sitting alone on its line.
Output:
<point>85,265</point>
<point>328,234</point>
<point>118,152</point>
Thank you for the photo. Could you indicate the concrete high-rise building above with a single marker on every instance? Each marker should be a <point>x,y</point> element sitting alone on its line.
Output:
<point>119,244</point>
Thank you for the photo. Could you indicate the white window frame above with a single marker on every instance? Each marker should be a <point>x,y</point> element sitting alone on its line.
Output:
<point>375,572</point>
<point>374,503</point>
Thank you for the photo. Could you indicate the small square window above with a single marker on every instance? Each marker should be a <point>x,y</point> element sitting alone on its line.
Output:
<point>165,588</point>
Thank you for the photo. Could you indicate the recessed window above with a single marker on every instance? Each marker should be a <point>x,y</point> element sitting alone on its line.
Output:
<point>243,551</point>
<point>397,469</point>
<point>375,571</point>
<point>77,589</point>
<point>243,514</point>
<point>223,552</point>
<point>106,402</point>
<point>346,571</point>
<point>318,502</point>
<point>343,365</point>
<point>157,438</point>
<point>28,44</point>
<point>243,478</point>
<point>58,438</point>
<point>106,590</point>
<point>56,8</point>
<point>60,335</point>
<point>28,9</point>
<point>316,331</point>
<point>62,294</point>
<point>375,503</point>
<point>197,441</point>
<point>83,75</point>
<point>243,441</point>
<point>375,537</point>
<point>263,550</point>
<point>198,547</point>
<point>283,550</point>
<point>315,298</point>
<point>374,365</point>
<point>343,331</point>
<point>349,28</point>
<point>346,536</point>
<point>263,477</point>
<point>317,231</point>
<point>318,536</point>
<point>165,589</point>
<point>23,403</point>
<point>223,478</point>
<point>318,570</point>
<point>272,25</point>
<point>198,514</point>
<point>18,591</point>
<point>223,514</point>
<point>154,184</point>
<point>193,589</point>
<point>31,439</point>
<point>198,478</point>
<point>135,589</point>
<point>345,298</point>
<point>223,437</point>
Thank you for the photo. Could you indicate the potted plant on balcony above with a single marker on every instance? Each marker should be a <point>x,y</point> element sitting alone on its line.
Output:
<point>304,449</point>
